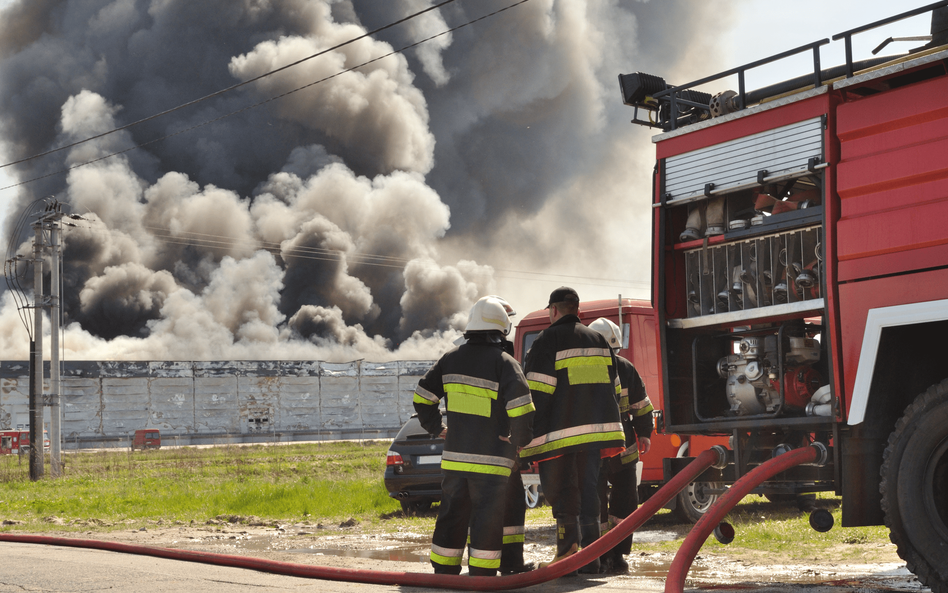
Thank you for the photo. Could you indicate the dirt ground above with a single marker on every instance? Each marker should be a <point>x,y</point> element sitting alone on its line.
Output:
<point>395,547</point>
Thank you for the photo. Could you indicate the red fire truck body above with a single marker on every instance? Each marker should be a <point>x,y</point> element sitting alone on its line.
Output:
<point>801,278</point>
<point>637,321</point>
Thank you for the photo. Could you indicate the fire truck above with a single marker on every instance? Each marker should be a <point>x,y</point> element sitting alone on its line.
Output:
<point>636,319</point>
<point>800,276</point>
<point>17,442</point>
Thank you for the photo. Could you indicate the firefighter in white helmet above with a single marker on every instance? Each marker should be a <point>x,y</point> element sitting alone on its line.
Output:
<point>490,411</point>
<point>636,412</point>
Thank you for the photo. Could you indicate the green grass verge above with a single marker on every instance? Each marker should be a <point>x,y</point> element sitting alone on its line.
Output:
<point>294,482</point>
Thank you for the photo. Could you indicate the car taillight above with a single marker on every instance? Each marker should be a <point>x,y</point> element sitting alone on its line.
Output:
<point>394,458</point>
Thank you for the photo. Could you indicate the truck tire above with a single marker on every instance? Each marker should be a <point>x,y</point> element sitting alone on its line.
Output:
<point>914,487</point>
<point>695,500</point>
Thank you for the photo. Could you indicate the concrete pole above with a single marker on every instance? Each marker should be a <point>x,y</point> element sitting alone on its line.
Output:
<point>55,410</point>
<point>36,398</point>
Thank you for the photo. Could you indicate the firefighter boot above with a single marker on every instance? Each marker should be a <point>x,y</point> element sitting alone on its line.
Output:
<point>589,528</point>
<point>511,557</point>
<point>567,540</point>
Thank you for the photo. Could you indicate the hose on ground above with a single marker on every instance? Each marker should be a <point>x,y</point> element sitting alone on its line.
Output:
<point>626,527</point>
<point>675,582</point>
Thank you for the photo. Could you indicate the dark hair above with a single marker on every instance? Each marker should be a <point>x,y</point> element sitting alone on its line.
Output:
<point>567,307</point>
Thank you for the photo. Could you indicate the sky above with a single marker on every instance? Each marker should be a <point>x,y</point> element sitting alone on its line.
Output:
<point>497,159</point>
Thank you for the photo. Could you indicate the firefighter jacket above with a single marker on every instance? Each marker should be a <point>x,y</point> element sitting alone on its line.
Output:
<point>635,409</point>
<point>572,375</point>
<point>487,397</point>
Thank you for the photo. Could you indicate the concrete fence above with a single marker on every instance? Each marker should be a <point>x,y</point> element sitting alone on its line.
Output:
<point>104,403</point>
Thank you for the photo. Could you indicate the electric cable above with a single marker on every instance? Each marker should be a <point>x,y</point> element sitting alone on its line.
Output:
<point>230,88</point>
<point>191,239</point>
<point>241,110</point>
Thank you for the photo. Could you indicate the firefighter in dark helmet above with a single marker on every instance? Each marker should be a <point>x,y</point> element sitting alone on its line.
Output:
<point>490,412</point>
<point>572,375</point>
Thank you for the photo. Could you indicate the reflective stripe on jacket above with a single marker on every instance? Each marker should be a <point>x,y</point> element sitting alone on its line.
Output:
<point>572,374</point>
<point>487,397</point>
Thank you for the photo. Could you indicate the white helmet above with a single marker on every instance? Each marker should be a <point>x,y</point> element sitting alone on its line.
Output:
<point>609,330</point>
<point>489,314</point>
<point>507,307</point>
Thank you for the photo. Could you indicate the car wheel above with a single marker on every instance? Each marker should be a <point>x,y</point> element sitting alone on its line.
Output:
<point>532,495</point>
<point>416,507</point>
<point>695,500</point>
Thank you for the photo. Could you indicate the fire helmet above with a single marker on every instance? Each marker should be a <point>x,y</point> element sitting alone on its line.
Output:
<point>609,330</point>
<point>490,313</point>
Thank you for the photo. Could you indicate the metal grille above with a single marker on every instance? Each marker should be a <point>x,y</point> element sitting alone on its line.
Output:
<point>769,271</point>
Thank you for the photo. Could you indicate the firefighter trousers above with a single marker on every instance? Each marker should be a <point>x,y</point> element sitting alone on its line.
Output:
<point>515,517</point>
<point>623,500</point>
<point>475,504</point>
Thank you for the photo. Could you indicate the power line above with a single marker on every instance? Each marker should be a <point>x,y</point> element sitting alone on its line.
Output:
<point>207,240</point>
<point>249,107</point>
<point>230,88</point>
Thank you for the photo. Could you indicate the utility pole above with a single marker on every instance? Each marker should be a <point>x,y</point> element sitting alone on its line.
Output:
<point>49,221</point>
<point>55,409</point>
<point>36,393</point>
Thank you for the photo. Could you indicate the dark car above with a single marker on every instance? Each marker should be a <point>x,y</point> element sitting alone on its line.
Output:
<point>413,469</point>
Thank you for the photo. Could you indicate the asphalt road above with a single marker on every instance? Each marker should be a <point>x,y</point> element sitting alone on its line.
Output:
<point>33,567</point>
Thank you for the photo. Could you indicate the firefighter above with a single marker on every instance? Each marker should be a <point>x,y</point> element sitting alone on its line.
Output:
<point>635,410</point>
<point>572,375</point>
<point>490,410</point>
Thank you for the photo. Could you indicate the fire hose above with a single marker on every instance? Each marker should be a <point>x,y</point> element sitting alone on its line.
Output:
<point>625,528</point>
<point>675,582</point>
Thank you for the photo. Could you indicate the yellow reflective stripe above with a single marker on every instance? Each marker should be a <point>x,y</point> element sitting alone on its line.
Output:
<point>445,560</point>
<point>582,361</point>
<point>514,539</point>
<point>420,400</point>
<point>585,370</point>
<point>630,455</point>
<point>643,411</point>
<point>421,392</point>
<point>521,410</point>
<point>594,437</point>
<point>541,382</point>
<point>541,387</point>
<point>484,562</point>
<point>464,403</point>
<point>476,468</point>
<point>470,380</point>
<point>470,390</point>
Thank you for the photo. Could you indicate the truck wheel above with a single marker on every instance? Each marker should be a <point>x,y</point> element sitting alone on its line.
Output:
<point>914,487</point>
<point>695,500</point>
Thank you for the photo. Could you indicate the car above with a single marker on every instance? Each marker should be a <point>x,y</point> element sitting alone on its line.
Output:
<point>413,469</point>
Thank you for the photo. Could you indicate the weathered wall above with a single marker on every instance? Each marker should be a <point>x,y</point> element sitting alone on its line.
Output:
<point>103,403</point>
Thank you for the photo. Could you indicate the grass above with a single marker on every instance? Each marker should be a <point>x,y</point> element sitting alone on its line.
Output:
<point>765,531</point>
<point>292,482</point>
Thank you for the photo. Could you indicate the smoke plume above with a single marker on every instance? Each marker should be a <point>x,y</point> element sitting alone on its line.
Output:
<point>321,212</point>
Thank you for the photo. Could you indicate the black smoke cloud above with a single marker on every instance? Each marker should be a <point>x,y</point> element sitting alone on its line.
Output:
<point>357,218</point>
